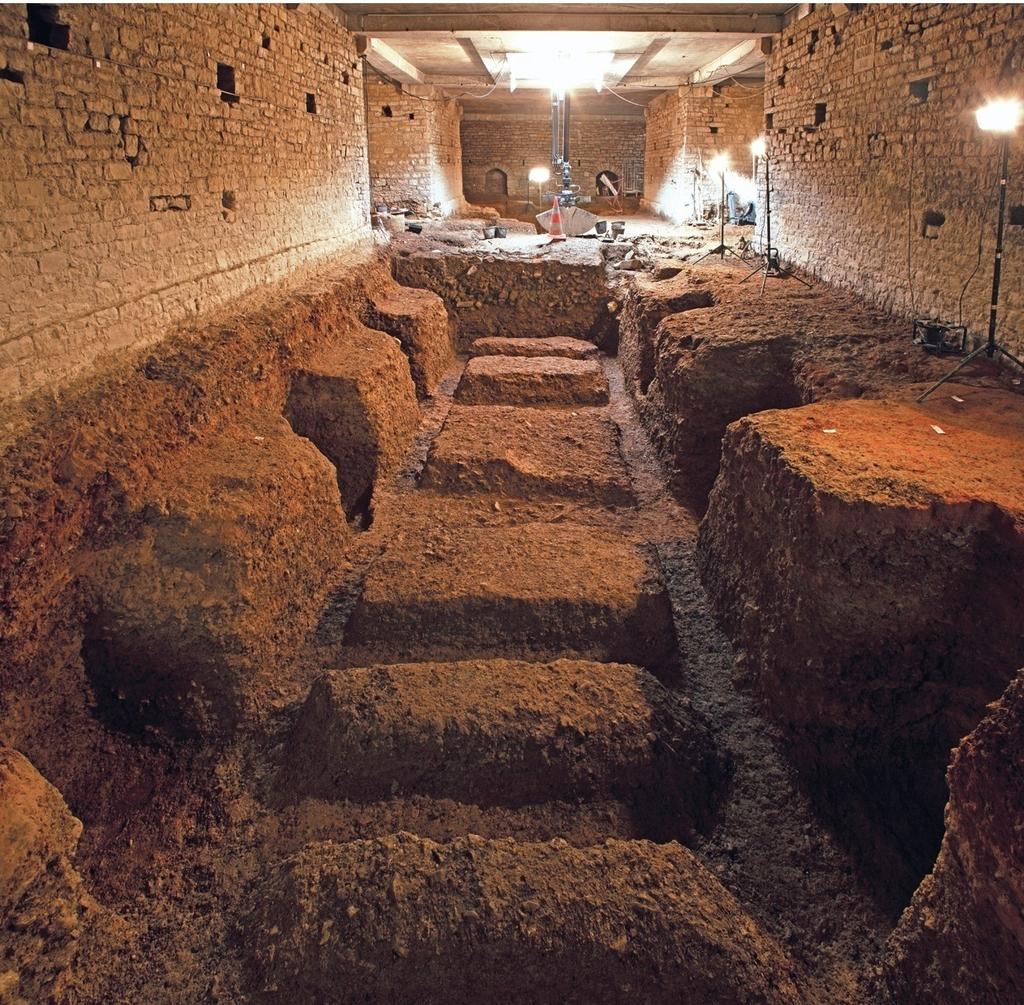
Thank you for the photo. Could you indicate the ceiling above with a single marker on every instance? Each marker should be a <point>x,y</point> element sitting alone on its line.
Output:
<point>479,52</point>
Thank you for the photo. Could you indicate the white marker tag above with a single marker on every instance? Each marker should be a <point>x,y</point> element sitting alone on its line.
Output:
<point>955,398</point>
<point>828,430</point>
<point>939,430</point>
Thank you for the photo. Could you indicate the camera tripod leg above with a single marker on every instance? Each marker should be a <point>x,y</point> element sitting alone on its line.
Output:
<point>956,369</point>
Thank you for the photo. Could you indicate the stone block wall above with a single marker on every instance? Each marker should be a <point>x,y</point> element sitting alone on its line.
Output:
<point>688,127</point>
<point>168,159</point>
<point>870,121</point>
<point>515,143</point>
<point>415,149</point>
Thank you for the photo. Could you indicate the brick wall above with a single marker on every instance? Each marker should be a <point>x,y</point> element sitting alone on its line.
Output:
<point>415,150</point>
<point>132,195</point>
<point>849,193</point>
<point>516,143</point>
<point>686,128</point>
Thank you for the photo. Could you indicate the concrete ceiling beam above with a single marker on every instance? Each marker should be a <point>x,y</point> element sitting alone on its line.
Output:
<point>371,20</point>
<point>723,62</point>
<point>473,55</point>
<point>645,57</point>
<point>382,57</point>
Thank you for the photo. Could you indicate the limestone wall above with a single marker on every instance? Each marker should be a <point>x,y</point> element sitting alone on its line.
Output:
<point>138,188</point>
<point>415,150</point>
<point>688,127</point>
<point>894,89</point>
<point>515,143</point>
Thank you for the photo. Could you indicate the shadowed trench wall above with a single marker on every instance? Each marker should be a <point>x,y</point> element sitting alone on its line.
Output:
<point>168,159</point>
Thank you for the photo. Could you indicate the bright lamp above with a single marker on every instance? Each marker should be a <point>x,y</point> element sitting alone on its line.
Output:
<point>720,164</point>
<point>759,148</point>
<point>1001,115</point>
<point>539,175</point>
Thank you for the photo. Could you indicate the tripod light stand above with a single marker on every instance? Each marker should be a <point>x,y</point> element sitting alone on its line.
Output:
<point>719,166</point>
<point>1001,116</point>
<point>772,264</point>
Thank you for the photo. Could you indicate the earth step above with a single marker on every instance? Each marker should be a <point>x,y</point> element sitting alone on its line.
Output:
<point>404,919</point>
<point>418,319</point>
<point>524,591</point>
<point>530,380</point>
<point>559,345</point>
<point>510,733</point>
<point>529,452</point>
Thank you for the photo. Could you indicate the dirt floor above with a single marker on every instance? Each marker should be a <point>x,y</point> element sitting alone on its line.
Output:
<point>514,629</point>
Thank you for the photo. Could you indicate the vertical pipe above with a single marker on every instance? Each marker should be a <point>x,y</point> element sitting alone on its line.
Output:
<point>556,141</point>
<point>565,128</point>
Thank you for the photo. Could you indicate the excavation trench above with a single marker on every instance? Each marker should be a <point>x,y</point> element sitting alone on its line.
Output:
<point>414,630</point>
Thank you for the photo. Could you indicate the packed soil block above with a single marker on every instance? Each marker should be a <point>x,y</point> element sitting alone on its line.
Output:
<point>566,348</point>
<point>36,827</point>
<point>509,733</point>
<point>530,590</point>
<point>560,286</point>
<point>866,559</point>
<point>960,940</point>
<point>418,319</point>
<point>47,918</point>
<point>529,452</point>
<point>512,380</point>
<point>220,577</point>
<point>699,351</point>
<point>403,919</point>
<point>356,401</point>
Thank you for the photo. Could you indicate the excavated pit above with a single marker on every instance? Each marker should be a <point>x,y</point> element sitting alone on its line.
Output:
<point>865,557</point>
<point>492,747</point>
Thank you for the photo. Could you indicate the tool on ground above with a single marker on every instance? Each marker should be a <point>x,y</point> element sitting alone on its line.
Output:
<point>939,336</point>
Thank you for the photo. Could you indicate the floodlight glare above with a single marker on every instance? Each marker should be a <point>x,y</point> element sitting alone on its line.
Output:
<point>1001,115</point>
<point>759,148</point>
<point>720,164</point>
<point>539,175</point>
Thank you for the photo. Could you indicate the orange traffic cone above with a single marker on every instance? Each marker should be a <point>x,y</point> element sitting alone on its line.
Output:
<point>557,231</point>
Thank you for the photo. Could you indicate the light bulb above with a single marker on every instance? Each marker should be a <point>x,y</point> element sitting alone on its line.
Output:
<point>759,148</point>
<point>1001,115</point>
<point>539,175</point>
<point>720,164</point>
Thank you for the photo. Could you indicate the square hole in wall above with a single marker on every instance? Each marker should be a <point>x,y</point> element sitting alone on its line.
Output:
<point>14,76</point>
<point>769,120</point>
<point>412,115</point>
<point>820,113</point>
<point>919,89</point>
<point>265,42</point>
<point>228,200</point>
<point>886,45</point>
<point>386,112</point>
<point>45,27</point>
<point>713,130</point>
<point>345,79</point>
<point>311,103</point>
<point>226,83</point>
